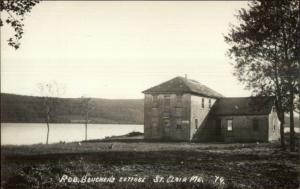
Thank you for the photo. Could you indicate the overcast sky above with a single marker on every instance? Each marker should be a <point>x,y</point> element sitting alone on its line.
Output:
<point>118,49</point>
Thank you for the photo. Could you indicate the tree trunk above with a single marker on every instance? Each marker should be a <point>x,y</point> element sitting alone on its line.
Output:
<point>282,138</point>
<point>292,130</point>
<point>280,115</point>
<point>85,130</point>
<point>86,123</point>
<point>48,129</point>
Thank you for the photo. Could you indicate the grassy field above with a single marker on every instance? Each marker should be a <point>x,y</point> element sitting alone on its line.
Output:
<point>215,165</point>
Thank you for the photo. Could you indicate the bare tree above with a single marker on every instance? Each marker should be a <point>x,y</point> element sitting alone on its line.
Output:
<point>49,93</point>
<point>86,107</point>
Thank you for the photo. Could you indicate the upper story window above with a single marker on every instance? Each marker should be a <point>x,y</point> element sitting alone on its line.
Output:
<point>229,125</point>
<point>209,103</point>
<point>155,101</point>
<point>167,102</point>
<point>178,123</point>
<point>202,104</point>
<point>179,98</point>
<point>178,111</point>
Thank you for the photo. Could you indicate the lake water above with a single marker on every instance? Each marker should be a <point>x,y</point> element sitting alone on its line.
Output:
<point>33,133</point>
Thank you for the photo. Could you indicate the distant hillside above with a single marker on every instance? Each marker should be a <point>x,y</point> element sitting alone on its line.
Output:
<point>29,109</point>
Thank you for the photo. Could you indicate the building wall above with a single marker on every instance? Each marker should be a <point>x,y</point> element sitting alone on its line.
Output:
<point>166,116</point>
<point>173,117</point>
<point>200,108</point>
<point>243,128</point>
<point>209,132</point>
<point>274,126</point>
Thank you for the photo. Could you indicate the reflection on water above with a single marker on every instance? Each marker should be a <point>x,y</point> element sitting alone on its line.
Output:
<point>32,133</point>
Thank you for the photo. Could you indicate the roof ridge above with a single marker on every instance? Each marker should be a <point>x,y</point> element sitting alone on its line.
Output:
<point>247,97</point>
<point>185,82</point>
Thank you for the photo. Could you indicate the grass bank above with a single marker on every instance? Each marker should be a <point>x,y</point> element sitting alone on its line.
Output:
<point>240,165</point>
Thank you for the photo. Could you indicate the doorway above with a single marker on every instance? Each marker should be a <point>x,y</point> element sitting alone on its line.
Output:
<point>218,128</point>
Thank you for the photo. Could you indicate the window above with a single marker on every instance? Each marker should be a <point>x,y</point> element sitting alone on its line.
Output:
<point>166,114</point>
<point>154,122</point>
<point>229,125</point>
<point>155,101</point>
<point>167,122</point>
<point>209,103</point>
<point>167,102</point>
<point>202,104</point>
<point>196,123</point>
<point>274,128</point>
<point>167,99</point>
<point>255,124</point>
<point>178,123</point>
<point>178,112</point>
<point>154,112</point>
<point>179,98</point>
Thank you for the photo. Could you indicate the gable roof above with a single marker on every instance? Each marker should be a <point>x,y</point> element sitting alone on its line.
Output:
<point>243,106</point>
<point>183,85</point>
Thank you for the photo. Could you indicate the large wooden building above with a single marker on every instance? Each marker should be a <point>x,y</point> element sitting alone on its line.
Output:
<point>182,109</point>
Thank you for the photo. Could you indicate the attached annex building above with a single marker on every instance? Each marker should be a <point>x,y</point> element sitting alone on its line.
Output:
<point>182,109</point>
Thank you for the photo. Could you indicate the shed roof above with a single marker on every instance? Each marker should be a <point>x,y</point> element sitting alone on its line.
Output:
<point>183,85</point>
<point>244,106</point>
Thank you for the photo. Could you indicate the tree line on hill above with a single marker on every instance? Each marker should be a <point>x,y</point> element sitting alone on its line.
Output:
<point>30,109</point>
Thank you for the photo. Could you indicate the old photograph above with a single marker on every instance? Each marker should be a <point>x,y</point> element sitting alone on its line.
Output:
<point>150,94</point>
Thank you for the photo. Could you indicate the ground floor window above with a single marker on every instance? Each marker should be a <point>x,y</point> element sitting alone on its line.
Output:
<point>196,123</point>
<point>255,124</point>
<point>167,122</point>
<point>229,125</point>
<point>178,123</point>
<point>154,122</point>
